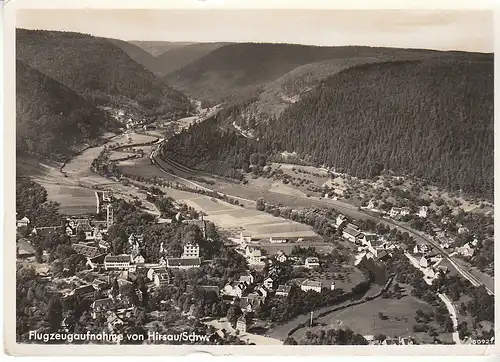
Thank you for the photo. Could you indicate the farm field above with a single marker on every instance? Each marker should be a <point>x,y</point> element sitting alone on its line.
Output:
<point>73,199</point>
<point>228,216</point>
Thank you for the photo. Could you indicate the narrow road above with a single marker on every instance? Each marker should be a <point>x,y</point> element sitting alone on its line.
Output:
<point>453,316</point>
<point>355,213</point>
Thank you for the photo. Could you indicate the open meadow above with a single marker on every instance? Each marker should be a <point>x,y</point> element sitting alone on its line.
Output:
<point>396,319</point>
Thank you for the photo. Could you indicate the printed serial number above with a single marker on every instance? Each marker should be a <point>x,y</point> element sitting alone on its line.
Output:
<point>484,341</point>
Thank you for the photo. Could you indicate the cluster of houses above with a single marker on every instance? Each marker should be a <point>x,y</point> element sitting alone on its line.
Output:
<point>248,294</point>
<point>398,212</point>
<point>116,305</point>
<point>428,261</point>
<point>367,242</point>
<point>390,341</point>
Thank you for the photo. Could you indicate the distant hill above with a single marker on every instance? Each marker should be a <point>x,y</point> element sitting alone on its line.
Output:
<point>238,71</point>
<point>432,118</point>
<point>51,119</point>
<point>156,48</point>
<point>179,57</point>
<point>137,53</point>
<point>175,56</point>
<point>99,70</point>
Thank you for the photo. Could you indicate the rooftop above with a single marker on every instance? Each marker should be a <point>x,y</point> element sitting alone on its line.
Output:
<point>118,258</point>
<point>88,251</point>
<point>183,261</point>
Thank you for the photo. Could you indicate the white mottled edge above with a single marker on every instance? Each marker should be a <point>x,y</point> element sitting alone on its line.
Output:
<point>9,297</point>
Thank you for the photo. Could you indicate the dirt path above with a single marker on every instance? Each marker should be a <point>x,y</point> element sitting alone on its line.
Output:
<point>453,316</point>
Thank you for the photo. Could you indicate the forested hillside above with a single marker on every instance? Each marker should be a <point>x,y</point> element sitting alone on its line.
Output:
<point>51,118</point>
<point>98,70</point>
<point>431,118</point>
<point>207,147</point>
<point>179,57</point>
<point>138,54</point>
<point>237,71</point>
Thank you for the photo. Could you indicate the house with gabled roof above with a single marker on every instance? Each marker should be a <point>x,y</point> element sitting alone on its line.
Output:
<point>351,234</point>
<point>136,239</point>
<point>269,283</point>
<point>283,290</point>
<point>465,250</point>
<point>242,323</point>
<point>101,306</point>
<point>114,322</point>
<point>83,291</point>
<point>154,270</point>
<point>253,255</point>
<point>94,255</point>
<point>312,262</point>
<point>120,262</point>
<point>340,220</point>
<point>235,289</point>
<point>248,278</point>
<point>280,256</point>
<point>24,222</point>
<point>316,285</point>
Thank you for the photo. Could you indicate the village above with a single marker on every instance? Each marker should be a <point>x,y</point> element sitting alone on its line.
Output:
<point>110,278</point>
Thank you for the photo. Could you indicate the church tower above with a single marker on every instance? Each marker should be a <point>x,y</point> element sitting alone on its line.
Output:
<point>109,215</point>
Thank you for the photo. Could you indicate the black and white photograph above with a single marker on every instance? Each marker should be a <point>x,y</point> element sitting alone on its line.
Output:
<point>253,177</point>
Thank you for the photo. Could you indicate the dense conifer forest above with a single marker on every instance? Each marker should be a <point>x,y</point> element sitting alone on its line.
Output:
<point>99,70</point>
<point>432,119</point>
<point>51,118</point>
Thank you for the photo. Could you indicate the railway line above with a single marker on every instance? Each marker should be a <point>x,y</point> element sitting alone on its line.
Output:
<point>350,210</point>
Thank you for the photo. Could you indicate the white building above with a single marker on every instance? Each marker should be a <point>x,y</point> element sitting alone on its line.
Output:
<point>428,261</point>
<point>352,233</point>
<point>136,239</point>
<point>24,222</point>
<point>316,285</point>
<point>275,240</point>
<point>253,255</point>
<point>283,290</point>
<point>368,238</point>
<point>161,279</point>
<point>421,249</point>
<point>121,262</point>
<point>311,262</point>
<point>466,250</point>
<point>191,251</point>
<point>269,283</point>
<point>235,289</point>
<point>399,211</point>
<point>463,230</point>
<point>281,257</point>
<point>248,278</point>
<point>422,212</point>
<point>156,270</point>
<point>341,219</point>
